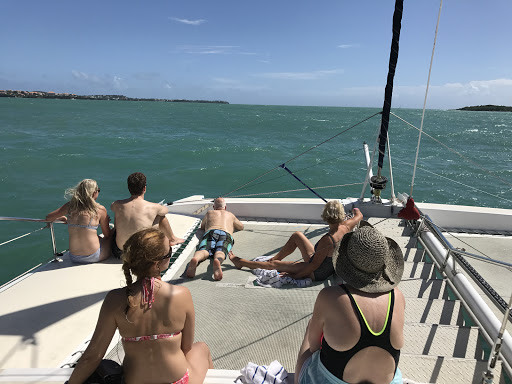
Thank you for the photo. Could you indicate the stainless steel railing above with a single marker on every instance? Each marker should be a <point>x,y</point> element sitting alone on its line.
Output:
<point>50,224</point>
<point>447,257</point>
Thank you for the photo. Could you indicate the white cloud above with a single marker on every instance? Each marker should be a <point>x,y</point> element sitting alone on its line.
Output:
<point>345,46</point>
<point>99,82</point>
<point>446,96</point>
<point>314,75</point>
<point>188,22</point>
<point>210,49</point>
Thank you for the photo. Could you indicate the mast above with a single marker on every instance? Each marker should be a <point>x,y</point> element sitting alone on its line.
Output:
<point>378,182</point>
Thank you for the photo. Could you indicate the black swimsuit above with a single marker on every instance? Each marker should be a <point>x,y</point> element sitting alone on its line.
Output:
<point>336,361</point>
<point>325,269</point>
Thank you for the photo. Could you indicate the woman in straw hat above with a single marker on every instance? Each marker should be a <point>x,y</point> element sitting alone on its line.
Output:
<point>316,259</point>
<point>83,216</point>
<point>155,320</point>
<point>356,332</point>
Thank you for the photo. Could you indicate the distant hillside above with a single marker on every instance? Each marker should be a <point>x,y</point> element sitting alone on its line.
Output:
<point>491,108</point>
<point>72,96</point>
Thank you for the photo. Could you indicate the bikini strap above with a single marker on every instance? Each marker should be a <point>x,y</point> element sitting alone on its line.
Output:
<point>148,290</point>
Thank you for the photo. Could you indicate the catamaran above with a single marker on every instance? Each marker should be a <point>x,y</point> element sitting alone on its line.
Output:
<point>456,284</point>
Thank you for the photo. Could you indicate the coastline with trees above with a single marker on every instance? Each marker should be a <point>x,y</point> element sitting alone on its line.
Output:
<point>488,108</point>
<point>72,96</point>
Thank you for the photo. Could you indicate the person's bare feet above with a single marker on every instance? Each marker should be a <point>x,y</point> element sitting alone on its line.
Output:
<point>235,260</point>
<point>176,241</point>
<point>217,270</point>
<point>191,270</point>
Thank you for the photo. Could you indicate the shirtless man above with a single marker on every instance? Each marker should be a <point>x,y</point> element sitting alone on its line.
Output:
<point>135,213</point>
<point>217,241</point>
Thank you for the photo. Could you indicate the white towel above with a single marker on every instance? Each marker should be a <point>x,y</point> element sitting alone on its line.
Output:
<point>261,374</point>
<point>271,278</point>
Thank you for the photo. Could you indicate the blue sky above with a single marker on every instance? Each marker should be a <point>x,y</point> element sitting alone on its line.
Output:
<point>329,53</point>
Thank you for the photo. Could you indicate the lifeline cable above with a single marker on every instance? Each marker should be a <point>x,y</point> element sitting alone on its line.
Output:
<point>26,234</point>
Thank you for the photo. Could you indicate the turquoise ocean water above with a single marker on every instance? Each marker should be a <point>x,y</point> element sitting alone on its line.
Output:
<point>47,146</point>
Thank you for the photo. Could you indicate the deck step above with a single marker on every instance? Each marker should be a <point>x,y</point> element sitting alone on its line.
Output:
<point>438,369</point>
<point>425,311</point>
<point>442,340</point>
<point>420,270</point>
<point>426,289</point>
<point>414,255</point>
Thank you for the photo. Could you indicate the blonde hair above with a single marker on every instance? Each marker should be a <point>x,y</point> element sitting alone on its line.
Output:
<point>81,200</point>
<point>333,212</point>
<point>140,252</point>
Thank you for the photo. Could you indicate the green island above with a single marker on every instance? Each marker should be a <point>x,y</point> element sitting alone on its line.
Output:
<point>489,108</point>
<point>72,96</point>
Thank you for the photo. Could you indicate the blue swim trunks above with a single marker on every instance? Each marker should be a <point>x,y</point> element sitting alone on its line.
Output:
<point>216,240</point>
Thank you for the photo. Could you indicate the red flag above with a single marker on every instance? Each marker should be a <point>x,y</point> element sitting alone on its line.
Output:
<point>410,212</point>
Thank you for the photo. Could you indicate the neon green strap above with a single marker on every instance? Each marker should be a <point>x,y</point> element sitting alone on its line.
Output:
<point>364,318</point>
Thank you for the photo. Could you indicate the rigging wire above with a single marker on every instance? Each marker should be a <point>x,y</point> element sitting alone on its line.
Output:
<point>458,182</point>
<point>311,166</point>
<point>425,101</point>
<point>296,190</point>
<point>303,153</point>
<point>454,151</point>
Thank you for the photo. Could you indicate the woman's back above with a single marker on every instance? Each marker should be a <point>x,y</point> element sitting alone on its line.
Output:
<point>343,329</point>
<point>83,236</point>
<point>152,338</point>
<point>155,320</point>
<point>356,332</point>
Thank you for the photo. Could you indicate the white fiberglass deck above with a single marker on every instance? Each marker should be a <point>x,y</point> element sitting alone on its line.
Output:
<point>47,316</point>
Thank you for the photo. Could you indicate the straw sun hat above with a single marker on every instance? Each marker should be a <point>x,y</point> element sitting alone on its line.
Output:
<point>368,261</point>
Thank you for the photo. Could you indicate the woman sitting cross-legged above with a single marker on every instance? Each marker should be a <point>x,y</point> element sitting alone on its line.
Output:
<point>317,259</point>
<point>155,320</point>
<point>356,331</point>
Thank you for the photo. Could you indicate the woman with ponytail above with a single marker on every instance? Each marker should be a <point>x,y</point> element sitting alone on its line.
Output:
<point>155,320</point>
<point>83,216</point>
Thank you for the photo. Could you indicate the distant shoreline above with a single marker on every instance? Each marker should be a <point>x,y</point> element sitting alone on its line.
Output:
<point>72,96</point>
<point>488,108</point>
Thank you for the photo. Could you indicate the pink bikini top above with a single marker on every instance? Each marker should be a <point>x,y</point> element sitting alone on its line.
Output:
<point>148,297</point>
<point>151,337</point>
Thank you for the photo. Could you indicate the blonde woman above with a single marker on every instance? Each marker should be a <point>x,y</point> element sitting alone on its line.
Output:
<point>83,216</point>
<point>155,320</point>
<point>316,259</point>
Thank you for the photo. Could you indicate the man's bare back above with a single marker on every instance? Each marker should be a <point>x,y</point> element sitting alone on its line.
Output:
<point>221,219</point>
<point>134,214</point>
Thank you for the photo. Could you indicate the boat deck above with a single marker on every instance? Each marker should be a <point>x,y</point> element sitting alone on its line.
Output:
<point>44,319</point>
